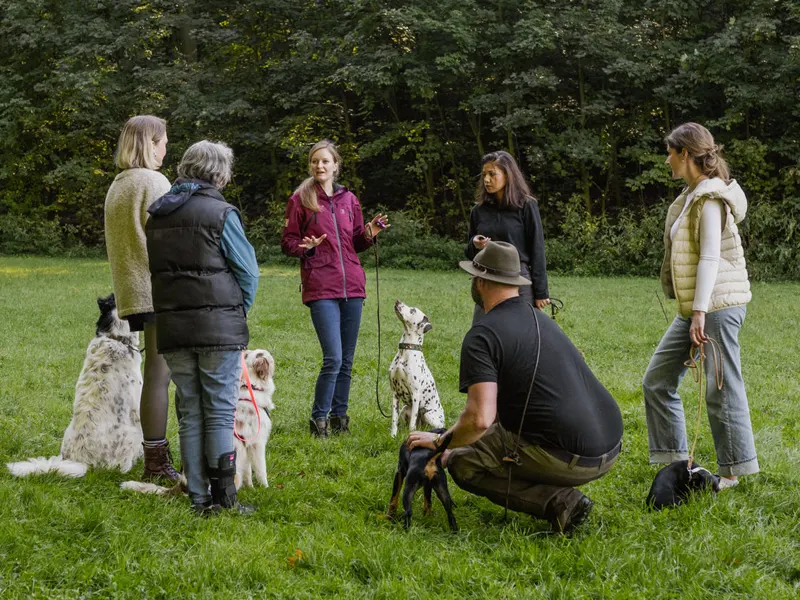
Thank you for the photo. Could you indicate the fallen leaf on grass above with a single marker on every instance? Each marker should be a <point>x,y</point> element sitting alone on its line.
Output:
<point>296,557</point>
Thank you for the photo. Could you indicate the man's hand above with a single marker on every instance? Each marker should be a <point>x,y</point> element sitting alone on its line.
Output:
<point>542,302</point>
<point>421,439</point>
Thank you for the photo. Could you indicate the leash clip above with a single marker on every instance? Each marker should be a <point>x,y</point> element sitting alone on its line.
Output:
<point>513,457</point>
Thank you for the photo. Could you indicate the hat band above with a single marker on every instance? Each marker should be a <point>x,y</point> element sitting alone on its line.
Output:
<point>492,271</point>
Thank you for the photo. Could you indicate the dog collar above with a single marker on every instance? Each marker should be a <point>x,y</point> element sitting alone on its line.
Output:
<point>250,402</point>
<point>256,389</point>
<point>403,346</point>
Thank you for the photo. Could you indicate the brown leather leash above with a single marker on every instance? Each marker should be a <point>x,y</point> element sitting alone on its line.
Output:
<point>696,362</point>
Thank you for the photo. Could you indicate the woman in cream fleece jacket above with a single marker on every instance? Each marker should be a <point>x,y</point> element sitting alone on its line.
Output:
<point>704,269</point>
<point>140,151</point>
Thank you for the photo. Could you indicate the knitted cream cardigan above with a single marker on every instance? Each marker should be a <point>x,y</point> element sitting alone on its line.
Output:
<point>127,200</point>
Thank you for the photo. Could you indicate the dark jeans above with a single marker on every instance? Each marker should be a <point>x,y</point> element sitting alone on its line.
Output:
<point>336,323</point>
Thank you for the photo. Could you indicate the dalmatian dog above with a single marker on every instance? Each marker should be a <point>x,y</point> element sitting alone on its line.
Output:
<point>413,386</point>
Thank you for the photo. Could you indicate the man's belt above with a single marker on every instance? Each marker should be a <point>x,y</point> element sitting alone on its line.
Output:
<point>584,461</point>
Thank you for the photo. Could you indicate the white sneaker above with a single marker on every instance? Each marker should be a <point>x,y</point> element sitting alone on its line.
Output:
<point>725,483</point>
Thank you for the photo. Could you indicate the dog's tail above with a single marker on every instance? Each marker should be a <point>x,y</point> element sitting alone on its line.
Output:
<point>54,464</point>
<point>151,488</point>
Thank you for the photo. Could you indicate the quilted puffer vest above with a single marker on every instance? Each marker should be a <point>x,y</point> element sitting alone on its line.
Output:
<point>679,270</point>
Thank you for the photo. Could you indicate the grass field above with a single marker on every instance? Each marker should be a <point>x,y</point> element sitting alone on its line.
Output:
<point>319,529</point>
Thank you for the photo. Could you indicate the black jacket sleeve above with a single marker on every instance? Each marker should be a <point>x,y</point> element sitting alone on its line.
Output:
<point>470,251</point>
<point>535,241</point>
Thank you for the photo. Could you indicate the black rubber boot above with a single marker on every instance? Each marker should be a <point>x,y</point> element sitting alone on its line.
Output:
<point>340,424</point>
<point>223,485</point>
<point>319,427</point>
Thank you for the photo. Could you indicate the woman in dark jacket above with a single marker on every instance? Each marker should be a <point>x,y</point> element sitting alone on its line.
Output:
<point>505,211</point>
<point>324,227</point>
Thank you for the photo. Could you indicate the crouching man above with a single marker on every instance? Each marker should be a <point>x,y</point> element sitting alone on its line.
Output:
<point>534,410</point>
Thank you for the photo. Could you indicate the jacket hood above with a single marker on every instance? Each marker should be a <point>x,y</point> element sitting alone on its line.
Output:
<point>730,193</point>
<point>179,194</point>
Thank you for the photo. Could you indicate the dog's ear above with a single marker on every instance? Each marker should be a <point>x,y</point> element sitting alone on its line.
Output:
<point>262,367</point>
<point>427,326</point>
<point>106,304</point>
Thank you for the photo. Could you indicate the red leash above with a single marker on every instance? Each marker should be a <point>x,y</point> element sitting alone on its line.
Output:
<point>246,376</point>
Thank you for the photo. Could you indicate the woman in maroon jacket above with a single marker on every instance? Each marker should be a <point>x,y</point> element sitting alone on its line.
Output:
<point>324,227</point>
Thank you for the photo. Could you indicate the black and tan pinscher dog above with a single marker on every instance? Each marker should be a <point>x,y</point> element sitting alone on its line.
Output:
<point>421,467</point>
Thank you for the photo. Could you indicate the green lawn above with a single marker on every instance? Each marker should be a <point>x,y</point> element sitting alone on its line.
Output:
<point>85,538</point>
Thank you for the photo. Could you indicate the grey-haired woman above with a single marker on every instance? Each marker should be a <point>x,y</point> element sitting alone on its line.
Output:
<point>205,277</point>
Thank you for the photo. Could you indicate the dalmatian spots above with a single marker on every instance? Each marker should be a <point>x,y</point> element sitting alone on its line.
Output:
<point>414,394</point>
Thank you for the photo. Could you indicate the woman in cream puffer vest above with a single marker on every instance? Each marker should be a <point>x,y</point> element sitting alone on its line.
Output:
<point>141,149</point>
<point>704,269</point>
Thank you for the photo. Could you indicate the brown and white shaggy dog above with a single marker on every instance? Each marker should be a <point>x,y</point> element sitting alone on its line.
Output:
<point>251,450</point>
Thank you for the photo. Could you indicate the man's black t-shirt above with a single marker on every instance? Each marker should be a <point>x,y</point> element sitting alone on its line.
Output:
<point>569,408</point>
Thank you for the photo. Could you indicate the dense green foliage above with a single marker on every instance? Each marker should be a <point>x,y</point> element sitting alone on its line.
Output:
<point>415,92</point>
<point>84,538</point>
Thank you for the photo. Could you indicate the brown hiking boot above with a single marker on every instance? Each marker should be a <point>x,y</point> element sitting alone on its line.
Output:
<point>158,464</point>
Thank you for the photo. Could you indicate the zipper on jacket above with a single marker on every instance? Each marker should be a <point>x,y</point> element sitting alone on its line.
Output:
<point>339,243</point>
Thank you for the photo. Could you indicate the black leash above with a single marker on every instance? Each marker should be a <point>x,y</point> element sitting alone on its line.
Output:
<point>512,458</point>
<point>556,306</point>
<point>378,302</point>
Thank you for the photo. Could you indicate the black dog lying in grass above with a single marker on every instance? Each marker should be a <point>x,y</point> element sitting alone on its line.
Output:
<point>421,466</point>
<point>676,481</point>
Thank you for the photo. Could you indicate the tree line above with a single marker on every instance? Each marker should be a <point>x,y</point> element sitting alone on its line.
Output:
<point>414,92</point>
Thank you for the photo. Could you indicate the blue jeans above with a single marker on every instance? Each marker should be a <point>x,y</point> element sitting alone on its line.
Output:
<point>336,323</point>
<point>728,412</point>
<point>205,400</point>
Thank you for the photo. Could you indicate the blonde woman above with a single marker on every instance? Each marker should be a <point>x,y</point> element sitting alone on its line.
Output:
<point>324,228</point>
<point>704,269</point>
<point>140,151</point>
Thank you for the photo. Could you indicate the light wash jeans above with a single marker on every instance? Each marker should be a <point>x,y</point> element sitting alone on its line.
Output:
<point>337,323</point>
<point>205,400</point>
<point>728,412</point>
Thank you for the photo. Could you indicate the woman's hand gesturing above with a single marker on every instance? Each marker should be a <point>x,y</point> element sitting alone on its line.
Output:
<point>480,241</point>
<point>310,242</point>
<point>378,224</point>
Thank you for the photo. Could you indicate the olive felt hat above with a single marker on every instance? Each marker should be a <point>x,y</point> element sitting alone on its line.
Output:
<point>498,261</point>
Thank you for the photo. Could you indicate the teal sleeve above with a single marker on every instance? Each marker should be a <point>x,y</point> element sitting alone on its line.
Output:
<point>241,258</point>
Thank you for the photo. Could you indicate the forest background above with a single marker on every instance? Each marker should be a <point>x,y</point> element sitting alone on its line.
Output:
<point>414,92</point>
